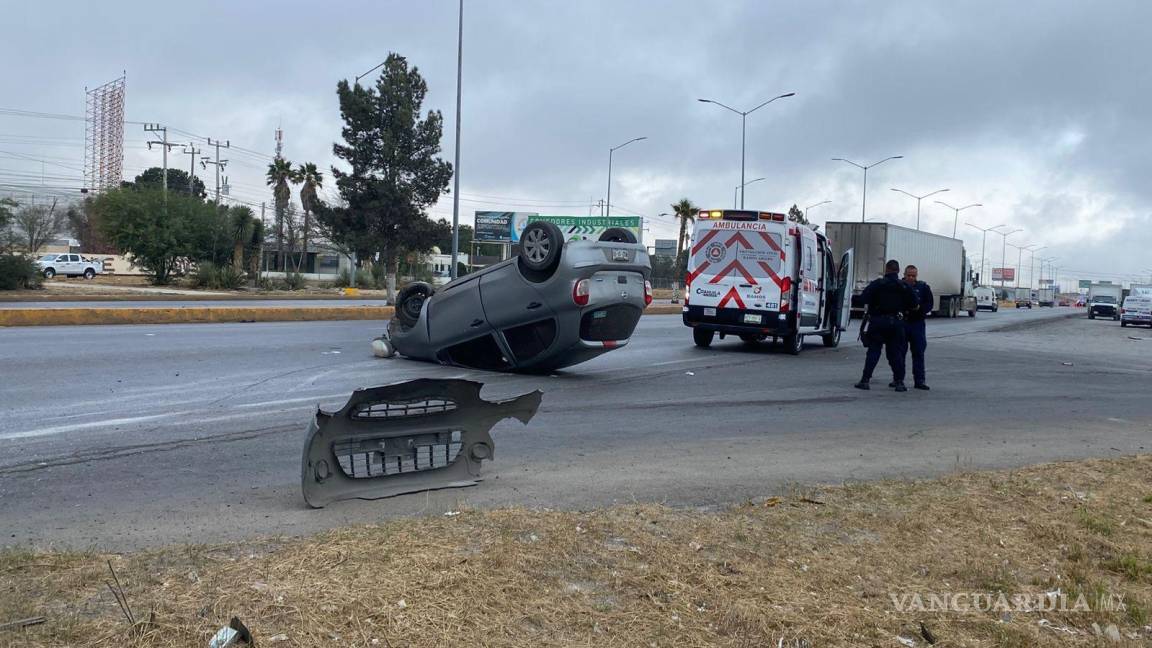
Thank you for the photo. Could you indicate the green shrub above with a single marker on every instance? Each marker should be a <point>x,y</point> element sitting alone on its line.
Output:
<point>343,280</point>
<point>210,275</point>
<point>294,280</point>
<point>17,271</point>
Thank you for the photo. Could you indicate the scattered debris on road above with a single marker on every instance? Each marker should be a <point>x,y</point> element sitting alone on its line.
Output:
<point>233,634</point>
<point>413,436</point>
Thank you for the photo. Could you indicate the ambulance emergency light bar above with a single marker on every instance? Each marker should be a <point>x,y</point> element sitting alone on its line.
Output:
<point>739,215</point>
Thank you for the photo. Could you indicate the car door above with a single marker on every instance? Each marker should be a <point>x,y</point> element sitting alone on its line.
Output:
<point>70,265</point>
<point>844,288</point>
<point>517,309</point>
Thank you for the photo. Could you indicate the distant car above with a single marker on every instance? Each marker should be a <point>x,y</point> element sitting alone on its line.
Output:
<point>1136,310</point>
<point>554,305</point>
<point>69,265</point>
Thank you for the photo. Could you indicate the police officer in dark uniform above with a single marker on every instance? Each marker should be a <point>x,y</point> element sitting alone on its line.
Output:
<point>914,328</point>
<point>888,300</point>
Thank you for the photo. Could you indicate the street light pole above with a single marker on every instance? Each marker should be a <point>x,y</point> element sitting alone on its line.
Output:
<point>918,199</point>
<point>864,198</point>
<point>608,202</point>
<point>1004,251</point>
<point>984,246</point>
<point>743,131</point>
<point>741,188</point>
<point>1032,265</point>
<point>816,205</point>
<point>956,213</point>
<point>456,168</point>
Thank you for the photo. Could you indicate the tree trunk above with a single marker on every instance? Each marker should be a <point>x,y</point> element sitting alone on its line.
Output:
<point>393,270</point>
<point>280,238</point>
<point>238,257</point>
<point>307,224</point>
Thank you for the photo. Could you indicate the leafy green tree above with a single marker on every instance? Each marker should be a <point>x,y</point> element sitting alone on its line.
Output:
<point>165,240</point>
<point>255,249</point>
<point>279,174</point>
<point>445,242</point>
<point>7,217</point>
<point>153,178</point>
<point>83,223</point>
<point>395,173</point>
<point>797,216</point>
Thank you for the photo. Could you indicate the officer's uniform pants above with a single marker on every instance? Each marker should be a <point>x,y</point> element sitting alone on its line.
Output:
<point>916,334</point>
<point>885,333</point>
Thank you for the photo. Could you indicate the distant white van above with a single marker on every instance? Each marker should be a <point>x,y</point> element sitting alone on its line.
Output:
<point>986,299</point>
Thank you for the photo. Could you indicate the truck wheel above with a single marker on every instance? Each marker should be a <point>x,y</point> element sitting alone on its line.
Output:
<point>410,301</point>
<point>703,337</point>
<point>1091,315</point>
<point>794,343</point>
<point>540,246</point>
<point>972,313</point>
<point>832,340</point>
<point>89,273</point>
<point>49,273</point>
<point>618,235</point>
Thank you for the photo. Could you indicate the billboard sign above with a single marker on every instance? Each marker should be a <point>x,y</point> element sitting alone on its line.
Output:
<point>665,247</point>
<point>578,228</point>
<point>1085,283</point>
<point>494,226</point>
<point>1003,274</point>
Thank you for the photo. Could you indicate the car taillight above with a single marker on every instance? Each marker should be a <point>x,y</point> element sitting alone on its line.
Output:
<point>647,293</point>
<point>580,292</point>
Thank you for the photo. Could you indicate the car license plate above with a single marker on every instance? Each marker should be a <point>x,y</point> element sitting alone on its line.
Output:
<point>753,319</point>
<point>709,312</point>
<point>622,255</point>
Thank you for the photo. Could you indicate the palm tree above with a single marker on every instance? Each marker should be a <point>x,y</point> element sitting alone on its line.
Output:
<point>240,224</point>
<point>686,212</point>
<point>255,245</point>
<point>310,179</point>
<point>279,175</point>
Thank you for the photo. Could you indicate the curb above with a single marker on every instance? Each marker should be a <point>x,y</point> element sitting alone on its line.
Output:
<point>213,315</point>
<point>193,315</point>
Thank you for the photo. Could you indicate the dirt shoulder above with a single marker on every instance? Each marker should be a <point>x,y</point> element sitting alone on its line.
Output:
<point>855,565</point>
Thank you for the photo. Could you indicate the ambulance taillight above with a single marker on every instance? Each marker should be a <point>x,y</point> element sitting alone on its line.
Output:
<point>647,293</point>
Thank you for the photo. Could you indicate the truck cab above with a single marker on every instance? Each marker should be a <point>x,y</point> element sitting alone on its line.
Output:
<point>1023,298</point>
<point>757,276</point>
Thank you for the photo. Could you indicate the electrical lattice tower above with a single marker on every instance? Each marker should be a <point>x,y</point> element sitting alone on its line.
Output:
<point>104,136</point>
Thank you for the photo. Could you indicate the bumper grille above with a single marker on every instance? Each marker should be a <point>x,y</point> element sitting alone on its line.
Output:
<point>397,455</point>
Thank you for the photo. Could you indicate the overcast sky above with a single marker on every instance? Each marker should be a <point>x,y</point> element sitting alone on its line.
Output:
<point>1039,110</point>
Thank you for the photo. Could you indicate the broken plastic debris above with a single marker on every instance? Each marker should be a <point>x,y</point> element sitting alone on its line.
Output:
<point>1067,364</point>
<point>451,513</point>
<point>690,373</point>
<point>905,641</point>
<point>233,634</point>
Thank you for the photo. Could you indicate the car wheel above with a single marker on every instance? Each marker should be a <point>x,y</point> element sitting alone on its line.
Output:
<point>617,235</point>
<point>1123,324</point>
<point>972,313</point>
<point>540,246</point>
<point>49,273</point>
<point>410,301</point>
<point>703,337</point>
<point>89,273</point>
<point>1091,315</point>
<point>794,343</point>
<point>831,340</point>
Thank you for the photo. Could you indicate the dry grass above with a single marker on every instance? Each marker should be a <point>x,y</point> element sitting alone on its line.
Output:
<point>816,566</point>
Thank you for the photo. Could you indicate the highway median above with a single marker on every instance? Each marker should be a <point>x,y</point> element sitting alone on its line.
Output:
<point>212,314</point>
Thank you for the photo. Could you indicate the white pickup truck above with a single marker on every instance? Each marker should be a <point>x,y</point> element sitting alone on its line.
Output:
<point>69,265</point>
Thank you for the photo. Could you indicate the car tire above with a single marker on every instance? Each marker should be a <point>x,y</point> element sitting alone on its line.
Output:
<point>89,273</point>
<point>410,301</point>
<point>794,343</point>
<point>617,235</point>
<point>49,273</point>
<point>703,337</point>
<point>1123,324</point>
<point>541,244</point>
<point>972,313</point>
<point>1091,315</point>
<point>831,340</point>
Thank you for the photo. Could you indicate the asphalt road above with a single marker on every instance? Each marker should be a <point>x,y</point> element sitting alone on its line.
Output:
<point>116,437</point>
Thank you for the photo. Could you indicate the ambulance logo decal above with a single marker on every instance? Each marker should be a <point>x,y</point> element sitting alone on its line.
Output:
<point>716,252</point>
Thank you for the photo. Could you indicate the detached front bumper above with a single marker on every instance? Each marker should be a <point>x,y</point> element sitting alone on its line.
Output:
<point>738,321</point>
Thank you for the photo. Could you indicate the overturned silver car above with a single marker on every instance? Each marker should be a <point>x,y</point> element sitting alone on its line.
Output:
<point>554,305</point>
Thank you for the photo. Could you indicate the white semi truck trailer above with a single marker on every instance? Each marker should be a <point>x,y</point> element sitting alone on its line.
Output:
<point>941,261</point>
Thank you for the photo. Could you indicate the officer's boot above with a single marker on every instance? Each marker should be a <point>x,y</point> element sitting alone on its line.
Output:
<point>863,384</point>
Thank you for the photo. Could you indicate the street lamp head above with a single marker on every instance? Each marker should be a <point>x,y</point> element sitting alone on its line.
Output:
<point>790,94</point>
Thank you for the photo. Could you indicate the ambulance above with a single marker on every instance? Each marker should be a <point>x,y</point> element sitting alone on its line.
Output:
<point>756,275</point>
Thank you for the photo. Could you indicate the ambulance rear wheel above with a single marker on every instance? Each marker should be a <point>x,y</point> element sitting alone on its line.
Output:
<point>832,339</point>
<point>793,343</point>
<point>703,337</point>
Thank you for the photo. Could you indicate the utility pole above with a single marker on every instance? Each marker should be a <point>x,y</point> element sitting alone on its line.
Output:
<point>219,164</point>
<point>191,151</point>
<point>157,128</point>
<point>456,169</point>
